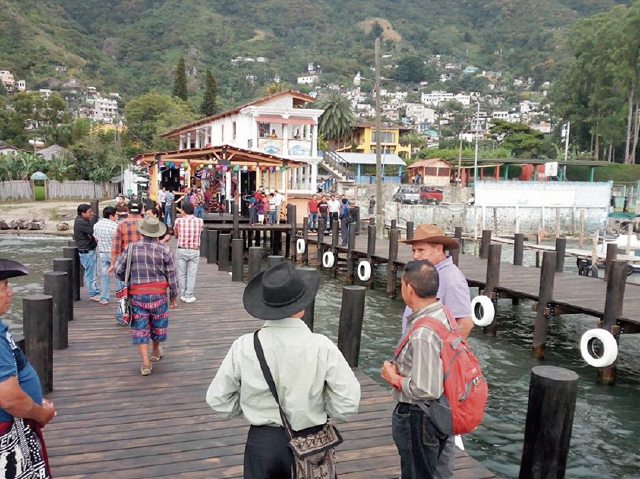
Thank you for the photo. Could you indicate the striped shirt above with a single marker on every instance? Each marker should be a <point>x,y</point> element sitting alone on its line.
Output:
<point>127,232</point>
<point>151,262</point>
<point>188,230</point>
<point>104,231</point>
<point>419,360</point>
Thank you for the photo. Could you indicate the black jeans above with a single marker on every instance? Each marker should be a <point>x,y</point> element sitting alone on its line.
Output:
<point>267,454</point>
<point>418,441</point>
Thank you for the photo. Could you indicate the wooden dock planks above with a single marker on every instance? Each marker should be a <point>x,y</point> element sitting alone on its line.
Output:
<point>113,423</point>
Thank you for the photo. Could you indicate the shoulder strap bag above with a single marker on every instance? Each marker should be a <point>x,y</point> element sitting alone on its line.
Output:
<point>313,452</point>
<point>122,295</point>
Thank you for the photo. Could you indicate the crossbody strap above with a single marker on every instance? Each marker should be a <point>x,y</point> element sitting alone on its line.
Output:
<point>269,378</point>
<point>127,273</point>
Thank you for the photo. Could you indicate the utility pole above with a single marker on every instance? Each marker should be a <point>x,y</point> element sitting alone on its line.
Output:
<point>566,149</point>
<point>379,200</point>
<point>475,158</point>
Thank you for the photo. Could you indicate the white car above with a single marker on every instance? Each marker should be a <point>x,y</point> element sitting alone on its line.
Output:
<point>407,194</point>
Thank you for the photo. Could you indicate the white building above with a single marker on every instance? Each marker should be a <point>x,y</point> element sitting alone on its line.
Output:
<point>105,110</point>
<point>6,78</point>
<point>435,98</point>
<point>419,113</point>
<point>463,99</point>
<point>21,85</point>
<point>308,79</point>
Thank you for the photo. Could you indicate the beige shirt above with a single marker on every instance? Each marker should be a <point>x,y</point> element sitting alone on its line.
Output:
<point>419,360</point>
<point>312,378</point>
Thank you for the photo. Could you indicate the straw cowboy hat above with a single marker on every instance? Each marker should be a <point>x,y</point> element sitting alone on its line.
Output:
<point>280,291</point>
<point>151,227</point>
<point>10,269</point>
<point>432,234</point>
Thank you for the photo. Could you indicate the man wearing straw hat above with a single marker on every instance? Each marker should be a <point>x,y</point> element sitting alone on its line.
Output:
<point>312,379</point>
<point>429,243</point>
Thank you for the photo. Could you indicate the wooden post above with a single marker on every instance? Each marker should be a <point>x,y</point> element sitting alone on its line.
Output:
<point>457,233</point>
<point>409,229</point>
<point>371,251</point>
<point>305,238</point>
<point>71,252</point>
<point>545,294</point>
<point>237,259</point>
<point>320,240</point>
<point>309,311</point>
<point>255,261</point>
<point>581,237</point>
<point>204,243</point>
<point>495,220</point>
<point>277,241</point>
<point>37,314</point>
<point>394,224</point>
<point>95,208</point>
<point>55,284</point>
<point>561,248</point>
<point>612,311</point>
<point>294,231</point>
<point>391,266</point>
<point>492,282</point>
<point>612,255</point>
<point>334,247</point>
<point>224,242</point>
<point>547,432</point>
<point>212,246</point>
<point>65,265</point>
<point>173,215</point>
<point>518,249</point>
<point>538,251</point>
<point>484,245</point>
<point>274,260</point>
<point>350,326</point>
<point>351,245</point>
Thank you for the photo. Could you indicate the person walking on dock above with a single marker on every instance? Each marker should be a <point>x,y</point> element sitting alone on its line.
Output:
<point>429,243</point>
<point>23,410</point>
<point>416,375</point>
<point>323,209</point>
<point>345,219</point>
<point>312,211</point>
<point>312,379</point>
<point>105,231</point>
<point>86,242</point>
<point>152,271</point>
<point>188,230</point>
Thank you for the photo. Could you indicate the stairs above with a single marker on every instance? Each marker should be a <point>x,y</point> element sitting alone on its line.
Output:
<point>336,167</point>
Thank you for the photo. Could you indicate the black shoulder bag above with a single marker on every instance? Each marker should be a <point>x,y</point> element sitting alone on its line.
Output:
<point>314,454</point>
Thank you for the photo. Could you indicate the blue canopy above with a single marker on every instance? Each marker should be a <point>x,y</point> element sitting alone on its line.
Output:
<point>39,175</point>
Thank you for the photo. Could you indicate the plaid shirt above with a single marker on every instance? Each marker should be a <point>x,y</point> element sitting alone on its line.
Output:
<point>151,262</point>
<point>104,231</point>
<point>188,230</point>
<point>126,233</point>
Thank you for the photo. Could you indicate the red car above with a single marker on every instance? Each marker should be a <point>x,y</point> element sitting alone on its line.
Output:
<point>429,194</point>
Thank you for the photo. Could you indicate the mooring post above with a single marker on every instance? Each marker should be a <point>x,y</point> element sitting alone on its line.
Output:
<point>55,284</point>
<point>391,266</point>
<point>612,311</point>
<point>173,214</point>
<point>457,233</point>
<point>545,294</point>
<point>95,208</point>
<point>371,251</point>
<point>274,260</point>
<point>224,243</point>
<point>309,311</point>
<point>334,247</point>
<point>547,432</point>
<point>612,255</point>
<point>212,246</point>
<point>305,238</point>
<point>65,265</point>
<point>561,248</point>
<point>518,249</point>
<point>71,252</point>
<point>484,244</point>
<point>492,282</point>
<point>237,259</point>
<point>37,314</point>
<point>204,243</point>
<point>255,261</point>
<point>235,209</point>
<point>350,326</point>
<point>351,245</point>
<point>409,229</point>
<point>320,240</point>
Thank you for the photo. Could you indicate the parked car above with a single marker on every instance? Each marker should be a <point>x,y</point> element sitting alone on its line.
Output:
<point>430,194</point>
<point>407,194</point>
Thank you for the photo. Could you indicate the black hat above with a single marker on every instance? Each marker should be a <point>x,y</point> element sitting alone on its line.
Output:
<point>10,269</point>
<point>280,291</point>
<point>135,207</point>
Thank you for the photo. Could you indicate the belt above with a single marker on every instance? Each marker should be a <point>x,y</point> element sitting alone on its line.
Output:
<point>185,247</point>
<point>83,251</point>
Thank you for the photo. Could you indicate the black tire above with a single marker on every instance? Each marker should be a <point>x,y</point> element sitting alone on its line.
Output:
<point>630,270</point>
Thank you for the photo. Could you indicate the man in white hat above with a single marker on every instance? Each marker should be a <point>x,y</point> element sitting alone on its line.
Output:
<point>312,379</point>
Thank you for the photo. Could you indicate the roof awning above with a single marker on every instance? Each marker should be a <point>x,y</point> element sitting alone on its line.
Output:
<point>292,120</point>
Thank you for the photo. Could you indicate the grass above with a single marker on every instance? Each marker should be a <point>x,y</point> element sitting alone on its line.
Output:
<point>39,192</point>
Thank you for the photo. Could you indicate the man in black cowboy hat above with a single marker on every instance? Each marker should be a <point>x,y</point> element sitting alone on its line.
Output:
<point>312,378</point>
<point>20,391</point>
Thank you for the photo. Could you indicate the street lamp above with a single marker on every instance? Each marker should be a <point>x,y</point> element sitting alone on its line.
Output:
<point>356,82</point>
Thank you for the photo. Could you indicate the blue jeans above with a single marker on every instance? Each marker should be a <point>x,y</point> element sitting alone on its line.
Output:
<point>418,441</point>
<point>88,261</point>
<point>272,217</point>
<point>105,280</point>
<point>167,215</point>
<point>313,219</point>
<point>198,212</point>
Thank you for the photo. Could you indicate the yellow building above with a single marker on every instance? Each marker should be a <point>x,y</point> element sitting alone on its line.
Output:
<point>363,140</point>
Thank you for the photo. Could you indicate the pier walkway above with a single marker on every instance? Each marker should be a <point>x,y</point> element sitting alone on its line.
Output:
<point>113,423</point>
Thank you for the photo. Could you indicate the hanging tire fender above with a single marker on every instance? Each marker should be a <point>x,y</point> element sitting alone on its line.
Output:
<point>328,259</point>
<point>364,271</point>
<point>482,311</point>
<point>609,348</point>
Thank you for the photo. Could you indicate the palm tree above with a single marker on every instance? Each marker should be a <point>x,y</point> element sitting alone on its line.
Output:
<point>334,125</point>
<point>275,87</point>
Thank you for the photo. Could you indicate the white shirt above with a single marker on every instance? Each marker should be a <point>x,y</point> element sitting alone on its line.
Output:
<point>161,196</point>
<point>334,206</point>
<point>312,378</point>
<point>279,199</point>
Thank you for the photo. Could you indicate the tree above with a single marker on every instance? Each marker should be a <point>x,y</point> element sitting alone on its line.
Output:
<point>208,105</point>
<point>336,121</point>
<point>275,87</point>
<point>524,142</point>
<point>180,81</point>
<point>411,69</point>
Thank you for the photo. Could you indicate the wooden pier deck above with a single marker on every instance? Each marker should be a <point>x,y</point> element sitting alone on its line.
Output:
<point>113,423</point>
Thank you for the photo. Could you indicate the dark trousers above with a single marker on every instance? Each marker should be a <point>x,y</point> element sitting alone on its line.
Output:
<point>418,441</point>
<point>267,454</point>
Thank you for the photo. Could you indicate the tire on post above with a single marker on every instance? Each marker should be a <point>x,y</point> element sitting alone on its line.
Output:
<point>364,271</point>
<point>609,348</point>
<point>328,259</point>
<point>482,311</point>
<point>300,246</point>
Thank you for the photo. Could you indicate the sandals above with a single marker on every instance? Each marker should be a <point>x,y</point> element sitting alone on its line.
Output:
<point>146,370</point>
<point>157,357</point>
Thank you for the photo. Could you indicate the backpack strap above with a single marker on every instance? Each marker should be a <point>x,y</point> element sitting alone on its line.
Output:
<point>432,323</point>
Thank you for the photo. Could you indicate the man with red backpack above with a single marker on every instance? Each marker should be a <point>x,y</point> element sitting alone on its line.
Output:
<point>436,379</point>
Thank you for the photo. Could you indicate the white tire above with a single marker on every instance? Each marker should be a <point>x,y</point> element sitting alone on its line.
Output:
<point>609,346</point>
<point>482,311</point>
<point>300,246</point>
<point>364,271</point>
<point>328,259</point>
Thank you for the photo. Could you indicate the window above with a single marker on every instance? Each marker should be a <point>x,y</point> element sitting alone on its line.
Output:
<point>385,137</point>
<point>234,130</point>
<point>264,129</point>
<point>249,144</point>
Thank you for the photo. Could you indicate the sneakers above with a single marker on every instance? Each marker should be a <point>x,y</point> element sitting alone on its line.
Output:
<point>190,299</point>
<point>95,298</point>
<point>104,302</point>
<point>183,299</point>
<point>146,370</point>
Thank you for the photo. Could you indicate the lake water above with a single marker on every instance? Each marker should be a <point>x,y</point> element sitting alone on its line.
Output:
<point>606,429</point>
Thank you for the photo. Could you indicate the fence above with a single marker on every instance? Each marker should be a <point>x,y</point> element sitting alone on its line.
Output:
<point>23,190</point>
<point>16,190</point>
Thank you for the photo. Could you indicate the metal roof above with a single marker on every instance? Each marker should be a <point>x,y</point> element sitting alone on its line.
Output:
<point>370,158</point>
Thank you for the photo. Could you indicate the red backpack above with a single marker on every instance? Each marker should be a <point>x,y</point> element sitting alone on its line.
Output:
<point>464,385</point>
